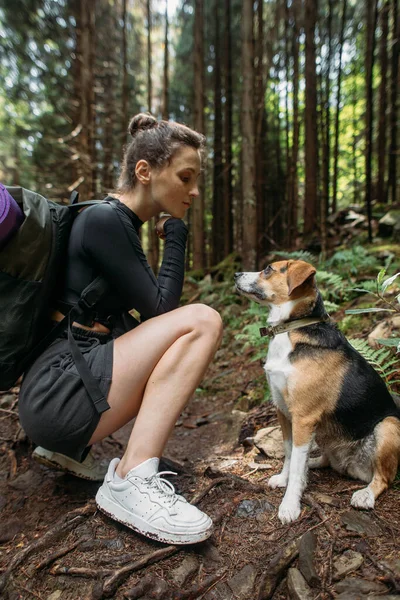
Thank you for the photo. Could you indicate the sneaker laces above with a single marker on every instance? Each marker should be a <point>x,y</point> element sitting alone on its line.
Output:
<point>163,486</point>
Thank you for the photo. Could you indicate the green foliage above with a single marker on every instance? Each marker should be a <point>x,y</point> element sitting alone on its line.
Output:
<point>298,255</point>
<point>355,261</point>
<point>381,359</point>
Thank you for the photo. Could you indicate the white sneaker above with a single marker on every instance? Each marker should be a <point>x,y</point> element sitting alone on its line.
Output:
<point>148,504</point>
<point>91,468</point>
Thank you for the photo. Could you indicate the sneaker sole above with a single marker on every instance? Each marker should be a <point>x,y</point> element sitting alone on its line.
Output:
<point>118,513</point>
<point>58,467</point>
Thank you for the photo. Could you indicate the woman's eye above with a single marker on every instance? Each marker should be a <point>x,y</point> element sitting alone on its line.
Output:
<point>185,179</point>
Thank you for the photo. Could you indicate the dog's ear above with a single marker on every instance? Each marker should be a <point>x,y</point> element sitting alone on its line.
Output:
<point>298,273</point>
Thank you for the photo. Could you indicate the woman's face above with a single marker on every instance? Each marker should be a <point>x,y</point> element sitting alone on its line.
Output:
<point>174,187</point>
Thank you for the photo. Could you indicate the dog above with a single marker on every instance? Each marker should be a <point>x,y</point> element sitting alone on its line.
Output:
<point>323,389</point>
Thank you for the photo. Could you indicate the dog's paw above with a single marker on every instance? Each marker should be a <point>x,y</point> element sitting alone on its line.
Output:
<point>319,462</point>
<point>288,512</point>
<point>278,481</point>
<point>363,499</point>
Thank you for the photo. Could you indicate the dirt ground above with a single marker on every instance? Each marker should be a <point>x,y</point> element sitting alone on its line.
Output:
<point>54,544</point>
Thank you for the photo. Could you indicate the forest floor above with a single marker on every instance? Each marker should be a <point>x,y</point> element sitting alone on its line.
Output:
<point>54,544</point>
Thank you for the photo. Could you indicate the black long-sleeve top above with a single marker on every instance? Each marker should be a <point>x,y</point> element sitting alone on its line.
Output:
<point>104,241</point>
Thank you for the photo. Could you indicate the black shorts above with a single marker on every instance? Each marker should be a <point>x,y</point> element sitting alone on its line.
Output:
<point>55,410</point>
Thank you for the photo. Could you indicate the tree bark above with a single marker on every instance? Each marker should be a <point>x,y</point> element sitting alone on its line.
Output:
<point>311,134</point>
<point>124,103</point>
<point>153,240</point>
<point>337,117</point>
<point>84,93</point>
<point>198,206</point>
<point>294,191</point>
<point>165,103</point>
<point>249,251</point>
<point>393,151</point>
<point>218,212</point>
<point>228,191</point>
<point>372,17</point>
<point>381,191</point>
<point>327,144</point>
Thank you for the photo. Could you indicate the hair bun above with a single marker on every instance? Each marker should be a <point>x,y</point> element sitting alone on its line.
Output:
<point>141,122</point>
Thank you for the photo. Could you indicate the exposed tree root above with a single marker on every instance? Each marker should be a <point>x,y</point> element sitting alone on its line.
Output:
<point>119,575</point>
<point>238,481</point>
<point>202,588</point>
<point>69,521</point>
<point>58,554</point>
<point>276,569</point>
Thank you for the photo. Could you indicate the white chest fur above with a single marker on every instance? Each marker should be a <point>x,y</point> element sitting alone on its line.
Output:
<point>278,368</point>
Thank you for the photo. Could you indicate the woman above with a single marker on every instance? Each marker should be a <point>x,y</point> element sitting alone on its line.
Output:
<point>149,372</point>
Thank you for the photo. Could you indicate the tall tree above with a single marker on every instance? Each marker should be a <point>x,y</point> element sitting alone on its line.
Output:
<point>124,103</point>
<point>293,175</point>
<point>383,59</point>
<point>372,17</point>
<point>249,258</point>
<point>84,92</point>
<point>153,242</point>
<point>165,101</point>
<point>394,101</point>
<point>310,120</point>
<point>327,144</point>
<point>198,205</point>
<point>228,124</point>
<point>337,117</point>
<point>218,212</point>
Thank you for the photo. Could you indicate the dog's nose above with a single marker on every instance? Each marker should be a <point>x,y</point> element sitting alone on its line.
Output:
<point>237,275</point>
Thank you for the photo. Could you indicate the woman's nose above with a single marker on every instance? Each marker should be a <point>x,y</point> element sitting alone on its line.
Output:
<point>195,192</point>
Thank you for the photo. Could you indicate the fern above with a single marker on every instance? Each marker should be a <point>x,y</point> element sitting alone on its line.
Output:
<point>331,307</point>
<point>381,359</point>
<point>298,255</point>
<point>331,286</point>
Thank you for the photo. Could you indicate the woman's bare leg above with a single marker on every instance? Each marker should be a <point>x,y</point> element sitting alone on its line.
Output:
<point>156,369</point>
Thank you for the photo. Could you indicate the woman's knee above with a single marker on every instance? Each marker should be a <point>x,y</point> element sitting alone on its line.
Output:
<point>206,320</point>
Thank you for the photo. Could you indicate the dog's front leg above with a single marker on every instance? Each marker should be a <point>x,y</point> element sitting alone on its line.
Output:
<point>289,509</point>
<point>281,479</point>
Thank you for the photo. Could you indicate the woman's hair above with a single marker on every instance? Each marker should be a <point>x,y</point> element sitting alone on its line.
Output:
<point>156,142</point>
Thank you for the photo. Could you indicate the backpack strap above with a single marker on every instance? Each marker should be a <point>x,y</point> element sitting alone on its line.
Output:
<point>89,297</point>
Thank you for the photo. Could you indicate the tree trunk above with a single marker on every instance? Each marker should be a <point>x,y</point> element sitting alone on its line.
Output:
<point>153,240</point>
<point>393,152</point>
<point>218,224</point>
<point>310,119</point>
<point>84,94</point>
<point>248,142</point>
<point>381,191</point>
<point>108,170</point>
<point>259,109</point>
<point>149,86</point>
<point>337,117</point>
<point>294,191</point>
<point>198,206</point>
<point>372,17</point>
<point>327,144</point>
<point>228,192</point>
<point>124,103</point>
<point>165,102</point>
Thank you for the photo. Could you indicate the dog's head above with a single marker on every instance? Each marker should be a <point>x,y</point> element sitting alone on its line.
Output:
<point>278,283</point>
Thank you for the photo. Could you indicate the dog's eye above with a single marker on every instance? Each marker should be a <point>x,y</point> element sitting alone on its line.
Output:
<point>268,270</point>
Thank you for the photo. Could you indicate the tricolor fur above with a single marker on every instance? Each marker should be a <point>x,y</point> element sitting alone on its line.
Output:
<point>324,389</point>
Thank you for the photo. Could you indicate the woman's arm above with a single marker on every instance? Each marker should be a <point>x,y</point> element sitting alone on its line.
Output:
<point>112,244</point>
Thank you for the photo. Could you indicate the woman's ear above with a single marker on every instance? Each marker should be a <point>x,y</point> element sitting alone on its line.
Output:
<point>143,172</point>
<point>298,273</point>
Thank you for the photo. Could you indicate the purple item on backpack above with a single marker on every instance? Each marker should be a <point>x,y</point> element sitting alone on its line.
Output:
<point>11,216</point>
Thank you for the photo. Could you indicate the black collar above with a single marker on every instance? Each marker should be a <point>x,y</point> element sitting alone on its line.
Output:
<point>289,325</point>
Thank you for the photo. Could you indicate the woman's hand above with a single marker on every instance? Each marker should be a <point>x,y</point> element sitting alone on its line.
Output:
<point>160,225</point>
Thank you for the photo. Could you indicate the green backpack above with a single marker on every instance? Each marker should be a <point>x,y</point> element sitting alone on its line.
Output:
<point>30,264</point>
